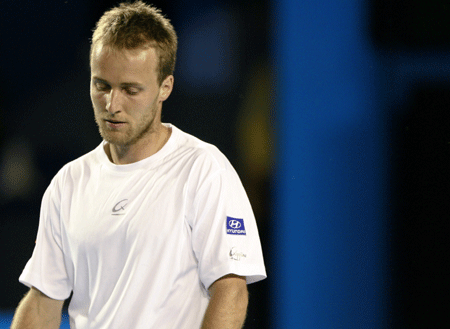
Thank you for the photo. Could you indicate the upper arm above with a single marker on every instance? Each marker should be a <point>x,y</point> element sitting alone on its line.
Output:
<point>36,310</point>
<point>228,304</point>
<point>232,285</point>
<point>44,302</point>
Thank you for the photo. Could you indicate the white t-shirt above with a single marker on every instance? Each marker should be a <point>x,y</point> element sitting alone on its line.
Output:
<point>139,244</point>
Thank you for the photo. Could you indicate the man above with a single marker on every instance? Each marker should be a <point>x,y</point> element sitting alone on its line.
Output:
<point>153,228</point>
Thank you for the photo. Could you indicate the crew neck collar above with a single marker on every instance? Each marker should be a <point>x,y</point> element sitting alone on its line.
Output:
<point>148,162</point>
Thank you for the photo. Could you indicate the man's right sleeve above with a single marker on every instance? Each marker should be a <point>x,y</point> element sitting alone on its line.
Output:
<point>46,269</point>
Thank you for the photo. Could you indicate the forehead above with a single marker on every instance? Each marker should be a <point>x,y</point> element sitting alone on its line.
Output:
<point>120,63</point>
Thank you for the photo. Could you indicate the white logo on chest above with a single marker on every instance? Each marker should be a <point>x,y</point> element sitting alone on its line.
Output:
<point>119,208</point>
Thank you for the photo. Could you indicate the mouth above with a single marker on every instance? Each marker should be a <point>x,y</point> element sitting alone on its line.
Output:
<point>114,124</point>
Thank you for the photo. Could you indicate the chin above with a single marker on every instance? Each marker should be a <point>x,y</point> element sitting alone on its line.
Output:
<point>115,138</point>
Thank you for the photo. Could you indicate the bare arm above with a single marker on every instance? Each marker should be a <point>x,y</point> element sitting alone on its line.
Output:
<point>37,311</point>
<point>228,304</point>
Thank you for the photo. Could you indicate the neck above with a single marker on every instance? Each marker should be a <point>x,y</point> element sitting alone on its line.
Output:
<point>144,148</point>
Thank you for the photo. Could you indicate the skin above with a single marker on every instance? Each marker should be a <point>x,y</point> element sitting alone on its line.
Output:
<point>127,101</point>
<point>37,311</point>
<point>227,307</point>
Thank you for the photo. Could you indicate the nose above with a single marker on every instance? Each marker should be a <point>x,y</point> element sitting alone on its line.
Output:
<point>113,101</point>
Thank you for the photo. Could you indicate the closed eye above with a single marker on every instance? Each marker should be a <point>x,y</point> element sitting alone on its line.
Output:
<point>131,91</point>
<point>101,86</point>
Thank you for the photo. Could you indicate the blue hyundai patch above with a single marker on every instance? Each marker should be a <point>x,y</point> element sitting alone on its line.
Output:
<point>235,226</point>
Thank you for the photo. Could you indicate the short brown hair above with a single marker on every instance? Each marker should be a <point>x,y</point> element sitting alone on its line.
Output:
<point>134,25</point>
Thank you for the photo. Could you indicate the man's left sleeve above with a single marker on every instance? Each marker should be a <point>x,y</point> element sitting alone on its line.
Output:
<point>225,235</point>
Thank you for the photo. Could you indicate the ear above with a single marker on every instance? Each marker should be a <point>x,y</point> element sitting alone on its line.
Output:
<point>166,88</point>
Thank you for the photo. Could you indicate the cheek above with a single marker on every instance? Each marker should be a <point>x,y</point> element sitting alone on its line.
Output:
<point>97,100</point>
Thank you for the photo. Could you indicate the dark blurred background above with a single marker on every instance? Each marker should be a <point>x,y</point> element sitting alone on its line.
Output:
<point>227,92</point>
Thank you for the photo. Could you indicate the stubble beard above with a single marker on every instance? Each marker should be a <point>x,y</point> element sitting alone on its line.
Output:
<point>130,135</point>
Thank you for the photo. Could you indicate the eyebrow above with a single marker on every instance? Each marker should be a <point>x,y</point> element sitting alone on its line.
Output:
<point>123,84</point>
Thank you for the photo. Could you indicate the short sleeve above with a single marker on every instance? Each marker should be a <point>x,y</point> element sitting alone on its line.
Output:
<point>224,234</point>
<point>46,268</point>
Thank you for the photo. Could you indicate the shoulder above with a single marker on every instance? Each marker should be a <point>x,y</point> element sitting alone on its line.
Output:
<point>79,166</point>
<point>201,153</point>
<point>204,163</point>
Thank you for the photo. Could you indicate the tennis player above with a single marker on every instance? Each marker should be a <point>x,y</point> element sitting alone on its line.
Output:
<point>153,228</point>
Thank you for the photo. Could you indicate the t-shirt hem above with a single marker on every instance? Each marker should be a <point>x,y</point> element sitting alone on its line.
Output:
<point>33,282</point>
<point>252,274</point>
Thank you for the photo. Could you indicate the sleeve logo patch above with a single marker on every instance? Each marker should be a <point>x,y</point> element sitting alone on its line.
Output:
<point>235,226</point>
<point>236,255</point>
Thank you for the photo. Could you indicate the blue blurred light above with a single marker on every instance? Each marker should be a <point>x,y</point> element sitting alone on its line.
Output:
<point>330,213</point>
